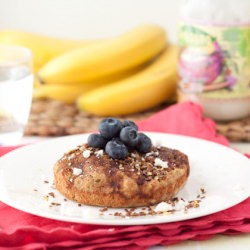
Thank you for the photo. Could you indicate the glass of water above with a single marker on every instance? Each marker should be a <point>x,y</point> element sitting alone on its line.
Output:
<point>16,86</point>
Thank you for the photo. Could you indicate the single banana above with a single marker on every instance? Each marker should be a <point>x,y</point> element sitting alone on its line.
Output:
<point>64,93</point>
<point>115,55</point>
<point>150,87</point>
<point>117,76</point>
<point>44,48</point>
<point>69,93</point>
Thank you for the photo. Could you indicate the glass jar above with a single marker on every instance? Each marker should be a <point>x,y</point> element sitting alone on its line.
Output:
<point>214,61</point>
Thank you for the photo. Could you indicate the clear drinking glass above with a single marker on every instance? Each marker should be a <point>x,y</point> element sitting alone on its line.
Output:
<point>16,85</point>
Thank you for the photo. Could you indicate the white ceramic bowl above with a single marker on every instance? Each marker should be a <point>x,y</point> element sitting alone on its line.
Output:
<point>220,109</point>
<point>225,109</point>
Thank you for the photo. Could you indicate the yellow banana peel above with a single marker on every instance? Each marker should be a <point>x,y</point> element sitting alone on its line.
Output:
<point>44,48</point>
<point>86,64</point>
<point>117,76</point>
<point>66,94</point>
<point>148,88</point>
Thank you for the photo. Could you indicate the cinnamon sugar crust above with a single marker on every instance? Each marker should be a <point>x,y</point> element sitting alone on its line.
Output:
<point>89,176</point>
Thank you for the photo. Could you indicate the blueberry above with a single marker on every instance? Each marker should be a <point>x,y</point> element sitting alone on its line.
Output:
<point>116,149</point>
<point>129,136</point>
<point>110,127</point>
<point>128,123</point>
<point>144,143</point>
<point>97,141</point>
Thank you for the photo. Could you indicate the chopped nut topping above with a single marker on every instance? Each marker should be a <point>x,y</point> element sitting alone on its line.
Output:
<point>99,153</point>
<point>72,156</point>
<point>162,207</point>
<point>52,194</point>
<point>86,153</point>
<point>150,154</point>
<point>160,163</point>
<point>77,171</point>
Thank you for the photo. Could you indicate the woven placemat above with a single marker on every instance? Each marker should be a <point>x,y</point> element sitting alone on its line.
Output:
<point>235,131</point>
<point>54,118</point>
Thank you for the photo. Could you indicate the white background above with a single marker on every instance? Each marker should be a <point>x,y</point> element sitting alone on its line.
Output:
<point>87,18</point>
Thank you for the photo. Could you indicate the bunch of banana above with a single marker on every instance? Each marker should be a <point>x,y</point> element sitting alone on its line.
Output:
<point>119,54</point>
<point>120,75</point>
<point>44,48</point>
<point>139,92</point>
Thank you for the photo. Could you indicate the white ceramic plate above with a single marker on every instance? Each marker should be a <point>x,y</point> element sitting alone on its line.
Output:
<point>26,177</point>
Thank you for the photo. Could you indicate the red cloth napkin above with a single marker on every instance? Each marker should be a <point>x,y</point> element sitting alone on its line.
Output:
<point>183,119</point>
<point>20,230</point>
<point>6,149</point>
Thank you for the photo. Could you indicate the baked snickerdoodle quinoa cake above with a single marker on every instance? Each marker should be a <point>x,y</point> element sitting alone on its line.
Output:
<point>119,167</point>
